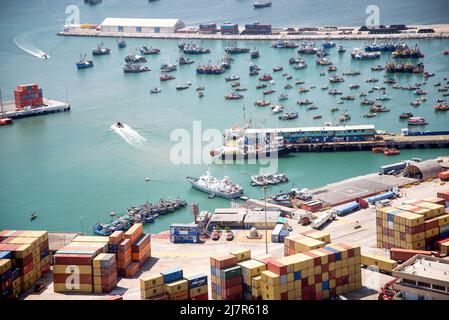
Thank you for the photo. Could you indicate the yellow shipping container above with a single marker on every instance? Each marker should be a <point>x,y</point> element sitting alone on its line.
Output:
<point>412,219</point>
<point>270,278</point>
<point>318,235</point>
<point>444,247</point>
<point>241,255</point>
<point>308,244</point>
<point>177,286</point>
<point>69,269</point>
<point>33,242</point>
<point>290,285</point>
<point>17,283</point>
<point>5,264</point>
<point>432,232</point>
<point>151,281</point>
<point>256,282</point>
<point>383,263</point>
<point>252,268</point>
<point>62,287</point>
<point>444,219</point>
<point>291,295</point>
<point>198,291</point>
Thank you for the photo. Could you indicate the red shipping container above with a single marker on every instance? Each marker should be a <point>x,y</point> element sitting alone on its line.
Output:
<point>275,266</point>
<point>325,267</point>
<point>62,278</point>
<point>444,194</point>
<point>231,282</point>
<point>142,242</point>
<point>232,290</point>
<point>431,224</point>
<point>24,261</point>
<point>237,296</point>
<point>318,278</point>
<point>332,274</point>
<point>106,280</point>
<point>223,262</point>
<point>160,297</point>
<point>27,268</point>
<point>124,245</point>
<point>284,296</point>
<point>108,288</point>
<point>201,297</point>
<point>45,269</point>
<point>132,269</point>
<point>77,259</point>
<point>106,271</point>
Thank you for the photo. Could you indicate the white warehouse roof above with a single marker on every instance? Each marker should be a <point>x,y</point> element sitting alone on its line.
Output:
<point>131,22</point>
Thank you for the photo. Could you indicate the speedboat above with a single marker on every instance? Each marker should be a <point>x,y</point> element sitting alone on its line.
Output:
<point>277,108</point>
<point>155,90</point>
<point>119,125</point>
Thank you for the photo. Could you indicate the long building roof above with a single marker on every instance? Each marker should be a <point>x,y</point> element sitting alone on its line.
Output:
<point>311,129</point>
<point>133,22</point>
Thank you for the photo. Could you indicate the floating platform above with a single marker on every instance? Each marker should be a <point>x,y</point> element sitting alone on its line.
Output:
<point>49,106</point>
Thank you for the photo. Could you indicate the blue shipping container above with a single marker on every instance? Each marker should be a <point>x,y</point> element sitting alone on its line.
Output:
<point>297,275</point>
<point>5,254</point>
<point>347,208</point>
<point>197,280</point>
<point>172,275</point>
<point>382,196</point>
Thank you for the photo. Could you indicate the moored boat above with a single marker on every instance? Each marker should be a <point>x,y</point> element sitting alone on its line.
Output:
<point>417,121</point>
<point>223,188</point>
<point>100,50</point>
<point>83,63</point>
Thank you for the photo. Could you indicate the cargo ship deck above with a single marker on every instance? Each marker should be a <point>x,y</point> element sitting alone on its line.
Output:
<point>49,106</point>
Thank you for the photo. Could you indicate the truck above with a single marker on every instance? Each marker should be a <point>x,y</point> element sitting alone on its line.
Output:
<point>326,216</point>
<point>347,208</point>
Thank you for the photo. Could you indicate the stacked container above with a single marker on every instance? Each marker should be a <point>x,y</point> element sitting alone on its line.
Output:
<point>184,233</point>
<point>226,278</point>
<point>152,287</point>
<point>229,28</point>
<point>313,275</point>
<point>141,249</point>
<point>198,288</point>
<point>241,255</point>
<point>104,272</point>
<point>318,235</point>
<point>416,224</point>
<point>28,95</point>
<point>6,282</point>
<point>72,272</point>
<point>175,286</point>
<point>299,243</point>
<point>126,266</point>
<point>29,255</point>
<point>208,27</point>
<point>251,269</point>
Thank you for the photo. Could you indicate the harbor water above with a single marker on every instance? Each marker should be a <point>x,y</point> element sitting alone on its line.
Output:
<point>73,168</point>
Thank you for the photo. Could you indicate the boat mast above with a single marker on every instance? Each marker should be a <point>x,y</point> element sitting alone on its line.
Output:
<point>1,101</point>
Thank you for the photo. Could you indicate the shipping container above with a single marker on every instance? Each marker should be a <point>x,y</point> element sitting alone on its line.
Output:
<point>401,255</point>
<point>382,263</point>
<point>172,275</point>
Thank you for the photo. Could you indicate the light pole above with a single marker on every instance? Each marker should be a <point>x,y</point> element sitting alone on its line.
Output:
<point>264,188</point>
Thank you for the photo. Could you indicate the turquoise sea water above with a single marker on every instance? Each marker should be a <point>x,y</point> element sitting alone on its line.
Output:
<point>74,170</point>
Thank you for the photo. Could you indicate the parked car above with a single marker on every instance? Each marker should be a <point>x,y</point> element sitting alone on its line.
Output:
<point>229,235</point>
<point>216,235</point>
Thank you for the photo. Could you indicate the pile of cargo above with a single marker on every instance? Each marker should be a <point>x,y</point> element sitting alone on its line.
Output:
<point>227,277</point>
<point>28,95</point>
<point>301,243</point>
<point>93,263</point>
<point>105,273</point>
<point>416,224</point>
<point>174,285</point>
<point>24,259</point>
<point>314,275</point>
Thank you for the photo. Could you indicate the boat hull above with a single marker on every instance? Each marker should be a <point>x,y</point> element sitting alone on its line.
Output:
<point>231,195</point>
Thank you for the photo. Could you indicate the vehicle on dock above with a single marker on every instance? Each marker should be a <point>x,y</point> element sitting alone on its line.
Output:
<point>185,60</point>
<point>229,235</point>
<point>216,234</point>
<point>83,63</point>
<point>289,115</point>
<point>100,50</point>
<point>223,188</point>
<point>149,50</point>
<point>323,218</point>
<point>135,68</point>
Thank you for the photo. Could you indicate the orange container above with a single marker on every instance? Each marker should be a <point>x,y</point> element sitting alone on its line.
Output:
<point>132,269</point>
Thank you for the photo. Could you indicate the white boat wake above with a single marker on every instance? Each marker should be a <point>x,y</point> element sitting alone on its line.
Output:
<point>131,136</point>
<point>24,42</point>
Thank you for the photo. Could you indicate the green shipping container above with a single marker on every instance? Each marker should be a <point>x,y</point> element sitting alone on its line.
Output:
<point>230,273</point>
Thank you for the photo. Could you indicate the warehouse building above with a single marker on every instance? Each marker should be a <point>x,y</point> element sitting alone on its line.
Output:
<point>257,219</point>
<point>423,278</point>
<point>227,217</point>
<point>423,170</point>
<point>131,25</point>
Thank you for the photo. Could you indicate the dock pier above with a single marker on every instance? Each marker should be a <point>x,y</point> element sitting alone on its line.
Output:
<point>395,141</point>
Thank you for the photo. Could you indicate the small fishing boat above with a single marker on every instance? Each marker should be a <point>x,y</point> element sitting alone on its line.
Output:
<point>331,69</point>
<point>200,88</point>
<point>328,44</point>
<point>200,94</point>
<point>300,66</point>
<point>277,109</point>
<point>241,89</point>
<point>266,92</point>
<point>262,4</point>
<point>83,63</point>
<point>6,121</point>
<point>334,109</point>
<point>341,49</point>
<point>145,50</point>
<point>282,97</point>
<point>278,68</point>
<point>354,86</point>
<point>317,117</point>
<point>289,115</point>
<point>261,86</point>
<point>166,77</point>
<point>312,107</point>
<point>119,125</point>
<point>166,67</point>
<point>254,73</point>
<point>100,50</point>
<point>232,78</point>
<point>284,44</point>
<point>391,152</point>
<point>336,79</point>
<point>134,58</point>
<point>441,107</point>
<point>405,115</point>
<point>372,80</point>
<point>378,68</point>
<point>182,87</point>
<point>134,68</point>
<point>288,86</point>
<point>417,121</point>
<point>155,90</point>
<point>235,84</point>
<point>185,60</point>
<point>236,50</point>
<point>334,92</point>
<point>383,98</point>
<point>265,77</point>
<point>254,53</point>
<point>304,102</point>
<point>192,48</point>
<point>347,98</point>
<point>378,149</point>
<point>33,216</point>
<point>344,117</point>
<point>121,44</point>
<point>234,96</point>
<point>262,103</point>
